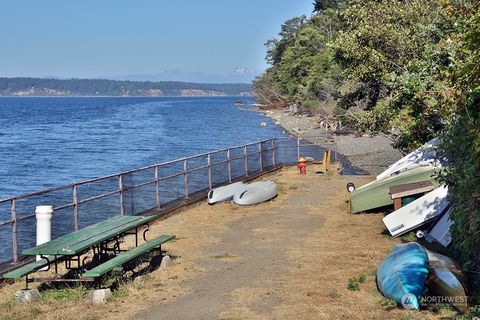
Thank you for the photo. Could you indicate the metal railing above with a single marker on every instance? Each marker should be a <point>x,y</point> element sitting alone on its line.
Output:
<point>141,190</point>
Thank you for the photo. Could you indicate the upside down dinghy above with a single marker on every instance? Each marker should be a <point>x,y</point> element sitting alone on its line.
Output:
<point>256,192</point>
<point>225,193</point>
<point>376,193</point>
<point>423,156</point>
<point>446,279</point>
<point>418,212</point>
<point>402,274</point>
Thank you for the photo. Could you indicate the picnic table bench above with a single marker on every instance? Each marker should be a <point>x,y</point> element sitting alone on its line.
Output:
<point>98,237</point>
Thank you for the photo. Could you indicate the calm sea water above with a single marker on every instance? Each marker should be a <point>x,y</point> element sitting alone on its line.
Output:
<point>46,142</point>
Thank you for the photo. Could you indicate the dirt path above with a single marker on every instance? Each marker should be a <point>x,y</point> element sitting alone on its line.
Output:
<point>247,254</point>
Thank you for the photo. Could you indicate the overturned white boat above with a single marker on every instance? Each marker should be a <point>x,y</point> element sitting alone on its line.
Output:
<point>256,192</point>
<point>418,212</point>
<point>441,231</point>
<point>423,156</point>
<point>225,193</point>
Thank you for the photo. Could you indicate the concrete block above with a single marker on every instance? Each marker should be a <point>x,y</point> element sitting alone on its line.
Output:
<point>166,262</point>
<point>100,296</point>
<point>28,295</point>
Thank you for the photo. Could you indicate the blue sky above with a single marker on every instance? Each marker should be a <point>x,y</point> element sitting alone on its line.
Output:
<point>110,38</point>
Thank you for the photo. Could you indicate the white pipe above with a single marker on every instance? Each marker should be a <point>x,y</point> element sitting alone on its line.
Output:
<point>43,215</point>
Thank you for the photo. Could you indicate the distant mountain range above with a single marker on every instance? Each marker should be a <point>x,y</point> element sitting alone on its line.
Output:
<point>237,75</point>
<point>103,87</point>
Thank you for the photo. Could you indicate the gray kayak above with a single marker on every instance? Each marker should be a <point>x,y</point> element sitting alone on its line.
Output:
<point>225,193</point>
<point>256,192</point>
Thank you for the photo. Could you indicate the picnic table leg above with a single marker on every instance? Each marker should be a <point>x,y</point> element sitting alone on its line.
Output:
<point>48,262</point>
<point>136,236</point>
<point>147,228</point>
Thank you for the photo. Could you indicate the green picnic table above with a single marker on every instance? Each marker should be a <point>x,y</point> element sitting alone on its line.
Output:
<point>70,247</point>
<point>77,242</point>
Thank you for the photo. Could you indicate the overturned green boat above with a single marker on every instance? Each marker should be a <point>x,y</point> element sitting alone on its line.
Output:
<point>376,194</point>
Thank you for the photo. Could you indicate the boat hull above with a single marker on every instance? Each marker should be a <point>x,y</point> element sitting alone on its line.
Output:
<point>256,192</point>
<point>423,156</point>
<point>441,231</point>
<point>445,279</point>
<point>225,193</point>
<point>376,193</point>
<point>418,212</point>
<point>402,274</point>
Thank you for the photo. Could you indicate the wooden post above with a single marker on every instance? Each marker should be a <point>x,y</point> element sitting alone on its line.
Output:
<point>209,164</point>
<point>324,161</point>
<point>229,166</point>
<point>185,177</point>
<point>157,185</point>
<point>120,188</point>
<point>14,230</point>
<point>245,156</point>
<point>75,207</point>
<point>397,203</point>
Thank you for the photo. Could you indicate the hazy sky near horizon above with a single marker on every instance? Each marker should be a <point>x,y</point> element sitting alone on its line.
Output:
<point>92,38</point>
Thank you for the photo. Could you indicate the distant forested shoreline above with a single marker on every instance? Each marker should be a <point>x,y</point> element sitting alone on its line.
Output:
<point>102,87</point>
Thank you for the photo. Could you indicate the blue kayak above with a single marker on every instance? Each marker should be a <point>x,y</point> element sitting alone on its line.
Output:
<point>402,274</point>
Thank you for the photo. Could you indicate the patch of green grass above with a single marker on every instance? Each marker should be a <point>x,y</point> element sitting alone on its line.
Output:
<point>67,294</point>
<point>409,237</point>
<point>119,293</point>
<point>361,278</point>
<point>354,283</point>
<point>388,303</point>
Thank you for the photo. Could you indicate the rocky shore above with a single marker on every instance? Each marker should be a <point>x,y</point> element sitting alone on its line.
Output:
<point>372,154</point>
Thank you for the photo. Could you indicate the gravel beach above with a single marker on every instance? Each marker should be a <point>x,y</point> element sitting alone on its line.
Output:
<point>373,154</point>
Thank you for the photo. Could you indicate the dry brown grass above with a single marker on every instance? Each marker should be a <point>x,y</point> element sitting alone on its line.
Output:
<point>308,281</point>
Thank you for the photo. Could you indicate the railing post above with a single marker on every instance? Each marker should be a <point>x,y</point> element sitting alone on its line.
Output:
<point>14,230</point>
<point>209,164</point>
<point>298,148</point>
<point>185,177</point>
<point>245,156</point>
<point>229,166</point>
<point>157,186</point>
<point>260,155</point>
<point>274,159</point>
<point>75,207</point>
<point>120,188</point>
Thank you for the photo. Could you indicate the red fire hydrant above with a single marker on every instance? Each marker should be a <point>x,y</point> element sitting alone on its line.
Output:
<point>302,165</point>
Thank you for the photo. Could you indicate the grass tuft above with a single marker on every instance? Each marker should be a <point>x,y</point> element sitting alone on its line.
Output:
<point>67,294</point>
<point>334,294</point>
<point>354,282</point>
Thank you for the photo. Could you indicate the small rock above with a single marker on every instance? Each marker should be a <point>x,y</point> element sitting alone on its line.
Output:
<point>28,295</point>
<point>166,262</point>
<point>100,296</point>
<point>139,279</point>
